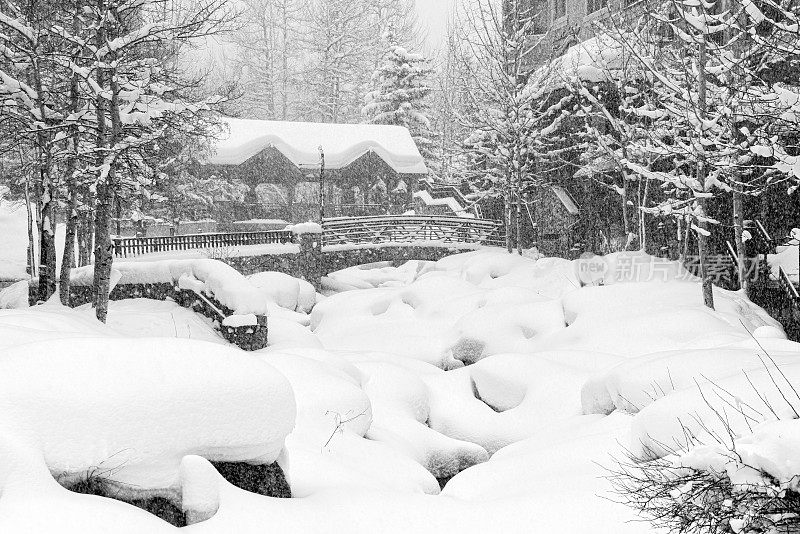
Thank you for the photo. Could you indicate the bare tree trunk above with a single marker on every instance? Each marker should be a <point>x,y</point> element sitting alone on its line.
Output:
<point>642,215</point>
<point>103,258</point>
<point>702,244</point>
<point>507,214</point>
<point>31,241</point>
<point>46,195</point>
<point>519,215</point>
<point>738,228</point>
<point>738,187</point>
<point>68,258</point>
<point>85,237</point>
<point>702,250</point>
<point>686,236</point>
<point>625,217</point>
<point>47,240</point>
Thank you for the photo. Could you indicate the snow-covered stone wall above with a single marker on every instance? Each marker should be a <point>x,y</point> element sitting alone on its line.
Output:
<point>250,335</point>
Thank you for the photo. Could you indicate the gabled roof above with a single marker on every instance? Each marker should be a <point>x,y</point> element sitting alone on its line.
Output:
<point>300,142</point>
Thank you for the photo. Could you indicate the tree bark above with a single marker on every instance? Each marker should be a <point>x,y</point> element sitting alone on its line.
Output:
<point>85,235</point>
<point>45,193</point>
<point>31,240</point>
<point>507,214</point>
<point>738,186</point>
<point>738,229</point>
<point>68,258</point>
<point>642,215</point>
<point>702,251</point>
<point>519,215</point>
<point>625,217</point>
<point>103,258</point>
<point>47,241</point>
<point>702,243</point>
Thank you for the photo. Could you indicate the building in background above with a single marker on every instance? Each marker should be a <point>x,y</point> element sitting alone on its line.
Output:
<point>368,169</point>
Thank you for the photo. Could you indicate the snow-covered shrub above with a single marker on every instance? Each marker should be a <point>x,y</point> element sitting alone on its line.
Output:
<point>681,498</point>
<point>725,481</point>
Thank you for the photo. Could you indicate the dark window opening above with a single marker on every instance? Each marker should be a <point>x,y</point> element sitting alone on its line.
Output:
<point>559,8</point>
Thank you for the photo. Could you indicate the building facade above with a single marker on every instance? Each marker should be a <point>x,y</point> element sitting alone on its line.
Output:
<point>299,172</point>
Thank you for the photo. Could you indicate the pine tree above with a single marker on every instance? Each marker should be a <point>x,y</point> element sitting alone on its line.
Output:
<point>401,88</point>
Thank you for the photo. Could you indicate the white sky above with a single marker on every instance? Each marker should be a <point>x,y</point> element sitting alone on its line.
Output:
<point>433,16</point>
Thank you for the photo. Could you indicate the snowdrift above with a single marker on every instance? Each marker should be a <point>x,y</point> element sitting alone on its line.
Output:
<point>132,408</point>
<point>508,380</point>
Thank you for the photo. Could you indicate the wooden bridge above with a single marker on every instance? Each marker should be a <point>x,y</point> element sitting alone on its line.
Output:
<point>376,230</point>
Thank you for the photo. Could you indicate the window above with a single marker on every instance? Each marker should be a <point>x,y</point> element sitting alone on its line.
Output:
<point>559,8</point>
<point>595,5</point>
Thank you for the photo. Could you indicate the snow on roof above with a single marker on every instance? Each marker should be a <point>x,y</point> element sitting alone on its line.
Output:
<point>594,60</point>
<point>300,142</point>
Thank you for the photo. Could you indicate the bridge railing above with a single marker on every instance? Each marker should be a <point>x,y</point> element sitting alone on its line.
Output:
<point>410,228</point>
<point>126,247</point>
<point>789,287</point>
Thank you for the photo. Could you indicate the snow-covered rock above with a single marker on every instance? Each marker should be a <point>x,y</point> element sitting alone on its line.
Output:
<point>286,291</point>
<point>212,277</point>
<point>132,408</point>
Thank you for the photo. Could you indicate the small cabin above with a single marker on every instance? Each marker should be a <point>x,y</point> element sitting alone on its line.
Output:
<point>362,169</point>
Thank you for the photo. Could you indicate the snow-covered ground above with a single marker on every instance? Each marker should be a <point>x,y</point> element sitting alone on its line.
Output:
<point>503,375</point>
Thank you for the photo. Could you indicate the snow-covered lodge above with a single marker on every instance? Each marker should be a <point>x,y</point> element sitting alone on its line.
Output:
<point>368,169</point>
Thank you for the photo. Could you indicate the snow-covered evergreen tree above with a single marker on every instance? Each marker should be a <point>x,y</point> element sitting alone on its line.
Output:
<point>401,86</point>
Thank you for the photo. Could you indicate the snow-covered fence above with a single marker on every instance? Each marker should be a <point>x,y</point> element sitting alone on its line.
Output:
<point>125,247</point>
<point>790,288</point>
<point>771,286</point>
<point>372,230</point>
<point>411,229</point>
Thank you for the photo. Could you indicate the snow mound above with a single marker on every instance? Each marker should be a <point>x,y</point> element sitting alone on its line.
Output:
<point>447,314</point>
<point>286,291</point>
<point>14,296</point>
<point>635,383</point>
<point>502,399</point>
<point>132,408</point>
<point>327,448</point>
<point>47,322</point>
<point>400,411</point>
<point>739,401</point>
<point>506,327</point>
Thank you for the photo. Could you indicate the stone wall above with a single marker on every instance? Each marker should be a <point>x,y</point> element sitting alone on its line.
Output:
<point>245,337</point>
<point>307,264</point>
<point>341,258</point>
